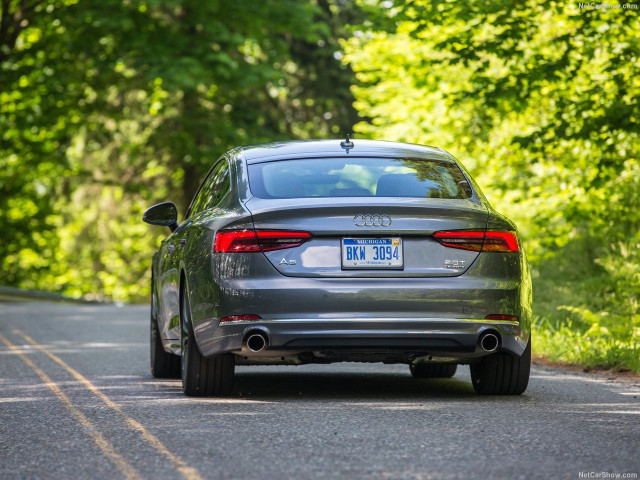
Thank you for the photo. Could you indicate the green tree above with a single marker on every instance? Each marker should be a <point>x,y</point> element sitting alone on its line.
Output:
<point>539,100</point>
<point>108,107</point>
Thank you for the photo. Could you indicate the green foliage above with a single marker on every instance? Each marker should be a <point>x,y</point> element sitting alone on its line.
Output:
<point>109,107</point>
<point>539,100</point>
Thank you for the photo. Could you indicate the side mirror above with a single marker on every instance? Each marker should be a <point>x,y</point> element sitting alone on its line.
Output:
<point>163,214</point>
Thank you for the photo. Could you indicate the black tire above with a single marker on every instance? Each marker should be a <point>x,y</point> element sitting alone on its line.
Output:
<point>163,364</point>
<point>202,377</point>
<point>426,370</point>
<point>502,374</point>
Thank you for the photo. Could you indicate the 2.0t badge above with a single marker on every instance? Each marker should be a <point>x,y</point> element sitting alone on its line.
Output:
<point>455,264</point>
<point>372,220</point>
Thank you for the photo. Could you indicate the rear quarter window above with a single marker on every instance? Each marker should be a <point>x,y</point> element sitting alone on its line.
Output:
<point>214,188</point>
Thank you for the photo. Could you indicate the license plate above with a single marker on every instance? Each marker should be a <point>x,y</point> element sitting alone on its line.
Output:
<point>372,253</point>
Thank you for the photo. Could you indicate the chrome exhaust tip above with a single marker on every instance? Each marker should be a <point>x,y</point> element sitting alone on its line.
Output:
<point>489,342</point>
<point>256,341</point>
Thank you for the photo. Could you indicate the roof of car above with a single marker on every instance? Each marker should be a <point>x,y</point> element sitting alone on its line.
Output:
<point>332,148</point>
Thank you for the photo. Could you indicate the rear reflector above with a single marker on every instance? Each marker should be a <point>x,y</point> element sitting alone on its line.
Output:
<point>479,241</point>
<point>239,318</point>
<point>256,241</point>
<point>508,318</point>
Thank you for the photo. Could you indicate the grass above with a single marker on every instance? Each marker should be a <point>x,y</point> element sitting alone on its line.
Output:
<point>586,309</point>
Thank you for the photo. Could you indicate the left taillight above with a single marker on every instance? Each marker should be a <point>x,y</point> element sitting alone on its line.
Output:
<point>479,241</point>
<point>258,240</point>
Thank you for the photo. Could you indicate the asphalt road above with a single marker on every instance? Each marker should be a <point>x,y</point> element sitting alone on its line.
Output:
<point>78,401</point>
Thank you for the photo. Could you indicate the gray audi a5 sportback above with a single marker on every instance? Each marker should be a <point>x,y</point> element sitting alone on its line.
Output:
<point>329,251</point>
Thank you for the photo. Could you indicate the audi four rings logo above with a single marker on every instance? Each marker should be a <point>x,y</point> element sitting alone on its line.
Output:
<point>372,220</point>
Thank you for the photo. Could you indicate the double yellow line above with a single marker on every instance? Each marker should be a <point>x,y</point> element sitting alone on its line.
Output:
<point>128,470</point>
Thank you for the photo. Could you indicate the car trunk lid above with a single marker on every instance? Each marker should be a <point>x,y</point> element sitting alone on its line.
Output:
<point>331,220</point>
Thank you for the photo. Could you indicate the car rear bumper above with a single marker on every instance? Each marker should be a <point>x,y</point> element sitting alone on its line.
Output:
<point>354,338</point>
<point>441,317</point>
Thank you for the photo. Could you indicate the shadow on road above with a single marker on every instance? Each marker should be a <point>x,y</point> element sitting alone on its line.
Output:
<point>287,385</point>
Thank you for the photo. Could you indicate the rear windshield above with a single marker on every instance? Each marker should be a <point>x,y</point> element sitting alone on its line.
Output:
<point>358,177</point>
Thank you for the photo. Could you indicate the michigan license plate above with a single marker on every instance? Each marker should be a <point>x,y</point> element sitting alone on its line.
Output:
<point>372,253</point>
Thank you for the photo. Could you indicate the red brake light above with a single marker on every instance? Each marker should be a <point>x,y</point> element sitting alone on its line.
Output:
<point>239,318</point>
<point>255,241</point>
<point>479,241</point>
<point>236,241</point>
<point>274,240</point>
<point>500,242</point>
<point>465,240</point>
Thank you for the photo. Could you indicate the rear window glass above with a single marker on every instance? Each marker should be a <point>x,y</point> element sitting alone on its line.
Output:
<point>358,177</point>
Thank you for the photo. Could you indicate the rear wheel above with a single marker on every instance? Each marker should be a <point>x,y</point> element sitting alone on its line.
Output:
<point>202,376</point>
<point>502,374</point>
<point>163,364</point>
<point>426,370</point>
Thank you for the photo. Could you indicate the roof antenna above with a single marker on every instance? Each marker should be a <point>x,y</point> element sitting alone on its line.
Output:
<point>347,144</point>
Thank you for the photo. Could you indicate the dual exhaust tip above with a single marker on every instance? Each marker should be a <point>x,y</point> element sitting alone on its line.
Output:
<point>489,341</point>
<point>256,341</point>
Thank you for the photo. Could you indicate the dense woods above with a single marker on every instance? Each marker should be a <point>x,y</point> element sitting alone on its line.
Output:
<point>108,107</point>
<point>540,100</point>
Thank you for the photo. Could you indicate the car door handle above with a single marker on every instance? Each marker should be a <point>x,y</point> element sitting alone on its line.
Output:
<point>183,242</point>
<point>171,248</point>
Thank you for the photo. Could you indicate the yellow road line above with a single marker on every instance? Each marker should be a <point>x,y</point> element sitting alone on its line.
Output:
<point>103,444</point>
<point>186,471</point>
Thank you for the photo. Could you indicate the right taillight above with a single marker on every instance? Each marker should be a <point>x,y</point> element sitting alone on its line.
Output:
<point>491,241</point>
<point>256,241</point>
<point>500,242</point>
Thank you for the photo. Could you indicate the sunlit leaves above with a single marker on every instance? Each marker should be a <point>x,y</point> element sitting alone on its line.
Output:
<point>108,107</point>
<point>539,99</point>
